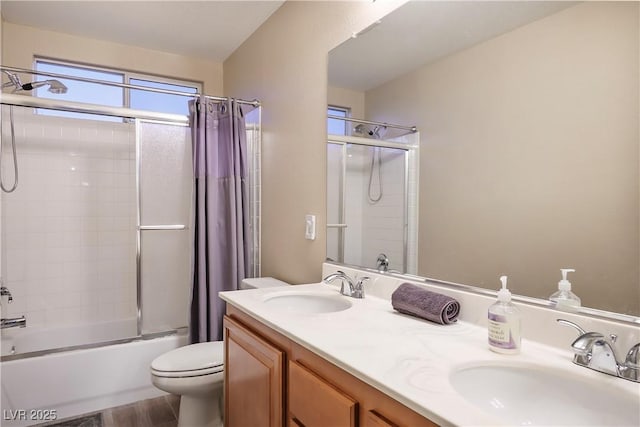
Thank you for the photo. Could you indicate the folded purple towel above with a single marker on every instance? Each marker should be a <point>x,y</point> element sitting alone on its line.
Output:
<point>417,301</point>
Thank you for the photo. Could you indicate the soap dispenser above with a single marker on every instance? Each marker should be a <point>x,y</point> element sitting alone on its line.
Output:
<point>504,323</point>
<point>563,298</point>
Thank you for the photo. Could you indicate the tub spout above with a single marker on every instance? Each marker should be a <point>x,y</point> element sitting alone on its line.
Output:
<point>16,322</point>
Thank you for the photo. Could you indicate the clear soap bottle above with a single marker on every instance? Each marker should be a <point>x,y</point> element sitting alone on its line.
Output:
<point>563,298</point>
<point>504,323</point>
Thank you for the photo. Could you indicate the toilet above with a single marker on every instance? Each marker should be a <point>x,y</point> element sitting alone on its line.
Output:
<point>196,373</point>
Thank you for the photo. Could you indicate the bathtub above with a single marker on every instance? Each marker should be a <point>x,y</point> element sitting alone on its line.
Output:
<point>74,382</point>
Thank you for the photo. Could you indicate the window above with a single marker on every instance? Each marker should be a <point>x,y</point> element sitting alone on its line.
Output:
<point>336,126</point>
<point>161,102</point>
<point>79,91</point>
<point>114,96</point>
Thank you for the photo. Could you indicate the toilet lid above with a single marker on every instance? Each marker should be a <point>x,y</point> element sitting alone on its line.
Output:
<point>204,356</point>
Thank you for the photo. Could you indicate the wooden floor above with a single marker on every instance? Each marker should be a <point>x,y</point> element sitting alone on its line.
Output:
<point>158,412</point>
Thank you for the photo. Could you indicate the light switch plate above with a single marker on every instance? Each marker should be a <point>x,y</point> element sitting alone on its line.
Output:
<point>310,227</point>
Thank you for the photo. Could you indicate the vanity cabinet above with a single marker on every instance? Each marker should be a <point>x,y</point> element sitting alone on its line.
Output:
<point>283,383</point>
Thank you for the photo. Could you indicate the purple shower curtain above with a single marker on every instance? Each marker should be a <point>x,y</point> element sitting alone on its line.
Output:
<point>221,211</point>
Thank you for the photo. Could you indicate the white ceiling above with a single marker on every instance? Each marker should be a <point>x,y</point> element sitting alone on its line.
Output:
<point>417,33</point>
<point>204,29</point>
<point>421,32</point>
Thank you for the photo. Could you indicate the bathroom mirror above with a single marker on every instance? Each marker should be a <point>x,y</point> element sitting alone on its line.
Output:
<point>528,118</point>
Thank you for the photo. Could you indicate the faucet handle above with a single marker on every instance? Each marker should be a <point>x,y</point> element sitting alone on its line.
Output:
<point>4,291</point>
<point>571,324</point>
<point>359,288</point>
<point>633,357</point>
<point>584,343</point>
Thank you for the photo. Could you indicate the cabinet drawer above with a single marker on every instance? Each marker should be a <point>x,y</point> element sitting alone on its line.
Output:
<point>313,402</point>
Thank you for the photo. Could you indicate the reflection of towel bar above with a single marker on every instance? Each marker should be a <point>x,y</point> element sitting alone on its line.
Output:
<point>163,227</point>
<point>336,225</point>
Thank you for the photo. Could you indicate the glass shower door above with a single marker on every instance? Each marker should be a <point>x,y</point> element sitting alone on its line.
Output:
<point>367,204</point>
<point>68,231</point>
<point>166,177</point>
<point>335,202</point>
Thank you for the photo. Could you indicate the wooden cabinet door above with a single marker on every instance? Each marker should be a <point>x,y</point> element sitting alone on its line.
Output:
<point>313,402</point>
<point>253,379</point>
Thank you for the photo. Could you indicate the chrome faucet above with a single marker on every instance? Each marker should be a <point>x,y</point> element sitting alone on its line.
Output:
<point>351,290</point>
<point>344,278</point>
<point>15,322</point>
<point>594,351</point>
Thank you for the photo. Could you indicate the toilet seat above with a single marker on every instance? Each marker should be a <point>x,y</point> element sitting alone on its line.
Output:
<point>190,361</point>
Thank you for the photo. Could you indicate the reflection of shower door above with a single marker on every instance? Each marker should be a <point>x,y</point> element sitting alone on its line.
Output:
<point>366,203</point>
<point>336,154</point>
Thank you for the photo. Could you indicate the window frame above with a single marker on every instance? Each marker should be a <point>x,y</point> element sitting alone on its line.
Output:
<point>347,115</point>
<point>127,76</point>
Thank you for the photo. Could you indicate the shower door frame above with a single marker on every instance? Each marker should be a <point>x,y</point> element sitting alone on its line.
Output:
<point>344,141</point>
<point>138,116</point>
<point>155,227</point>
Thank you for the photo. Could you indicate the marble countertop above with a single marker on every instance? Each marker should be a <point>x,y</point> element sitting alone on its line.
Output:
<point>407,358</point>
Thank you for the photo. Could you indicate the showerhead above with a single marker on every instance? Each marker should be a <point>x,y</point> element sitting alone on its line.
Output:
<point>55,86</point>
<point>378,132</point>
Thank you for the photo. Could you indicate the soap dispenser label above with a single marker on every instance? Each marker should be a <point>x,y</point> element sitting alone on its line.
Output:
<point>502,333</point>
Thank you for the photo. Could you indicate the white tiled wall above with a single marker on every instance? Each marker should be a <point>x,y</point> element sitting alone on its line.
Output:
<point>68,231</point>
<point>383,221</point>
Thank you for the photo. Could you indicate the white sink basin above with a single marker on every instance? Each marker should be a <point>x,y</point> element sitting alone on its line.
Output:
<point>306,302</point>
<point>532,395</point>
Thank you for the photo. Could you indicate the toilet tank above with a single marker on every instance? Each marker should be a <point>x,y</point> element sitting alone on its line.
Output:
<point>261,282</point>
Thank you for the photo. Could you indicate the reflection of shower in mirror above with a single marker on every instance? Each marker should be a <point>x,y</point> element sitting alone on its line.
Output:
<point>371,198</point>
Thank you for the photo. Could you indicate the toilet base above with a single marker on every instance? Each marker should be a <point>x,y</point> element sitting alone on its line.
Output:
<point>200,411</point>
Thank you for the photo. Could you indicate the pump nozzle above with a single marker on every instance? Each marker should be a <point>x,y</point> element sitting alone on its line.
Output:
<point>503,294</point>
<point>565,271</point>
<point>564,284</point>
<point>563,298</point>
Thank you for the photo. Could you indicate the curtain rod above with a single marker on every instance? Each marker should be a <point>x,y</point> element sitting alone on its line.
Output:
<point>368,122</point>
<point>81,107</point>
<point>255,102</point>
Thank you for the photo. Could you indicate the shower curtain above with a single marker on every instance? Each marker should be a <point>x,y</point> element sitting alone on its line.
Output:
<point>221,223</point>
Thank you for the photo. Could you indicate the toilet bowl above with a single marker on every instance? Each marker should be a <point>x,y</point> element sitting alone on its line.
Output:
<point>196,373</point>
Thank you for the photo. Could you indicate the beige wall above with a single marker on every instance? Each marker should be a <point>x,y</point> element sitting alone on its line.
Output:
<point>284,64</point>
<point>347,98</point>
<point>1,50</point>
<point>526,137</point>
<point>50,44</point>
